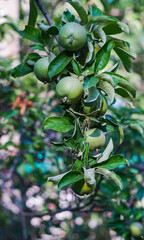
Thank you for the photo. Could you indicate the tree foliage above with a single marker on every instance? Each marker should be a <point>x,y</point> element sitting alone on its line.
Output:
<point>53,149</point>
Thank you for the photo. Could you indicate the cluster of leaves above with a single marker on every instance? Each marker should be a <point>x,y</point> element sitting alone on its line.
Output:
<point>89,65</point>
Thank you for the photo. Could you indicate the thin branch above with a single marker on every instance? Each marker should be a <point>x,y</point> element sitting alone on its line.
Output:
<point>75,209</point>
<point>23,223</point>
<point>96,190</point>
<point>47,17</point>
<point>43,10</point>
<point>12,169</point>
<point>131,200</point>
<point>137,166</point>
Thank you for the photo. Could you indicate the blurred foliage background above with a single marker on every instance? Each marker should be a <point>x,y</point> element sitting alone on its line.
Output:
<point>27,158</point>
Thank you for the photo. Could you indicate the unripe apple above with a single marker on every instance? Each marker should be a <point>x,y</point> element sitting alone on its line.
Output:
<point>82,188</point>
<point>95,137</point>
<point>136,229</point>
<point>69,90</point>
<point>41,68</point>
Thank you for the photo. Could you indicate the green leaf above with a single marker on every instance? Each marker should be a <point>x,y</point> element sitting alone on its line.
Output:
<point>86,154</point>
<point>110,175</point>
<point>77,134</point>
<point>103,56</point>
<point>59,63</point>
<point>107,152</point>
<point>124,83</point>
<point>137,127</point>
<point>116,28</point>
<point>76,141</point>
<point>106,77</point>
<point>69,178</point>
<point>114,67</point>
<point>31,34</point>
<point>107,88</point>
<point>76,67</point>
<point>61,124</point>
<point>93,99</point>
<point>94,10</point>
<point>58,146</point>
<point>90,176</point>
<point>31,56</point>
<point>124,51</point>
<point>21,70</point>
<point>126,60</point>
<point>38,47</point>
<point>125,94</point>
<point>11,113</point>
<point>52,30</point>
<point>90,82</point>
<point>84,55</point>
<point>33,14</point>
<point>99,33</point>
<point>70,143</point>
<point>140,195</point>
<point>102,19</point>
<point>77,165</point>
<point>120,133</point>
<point>67,16</point>
<point>12,26</point>
<point>44,38</point>
<point>80,10</point>
<point>109,126</point>
<point>123,46</point>
<point>90,52</point>
<point>57,178</point>
<point>113,162</point>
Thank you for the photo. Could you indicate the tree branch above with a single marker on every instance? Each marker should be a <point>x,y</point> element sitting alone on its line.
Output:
<point>131,200</point>
<point>75,209</point>
<point>137,166</point>
<point>47,17</point>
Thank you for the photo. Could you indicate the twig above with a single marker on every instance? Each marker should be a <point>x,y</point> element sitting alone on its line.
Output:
<point>12,169</point>
<point>44,12</point>
<point>23,223</point>
<point>131,200</point>
<point>137,166</point>
<point>96,190</point>
<point>75,209</point>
